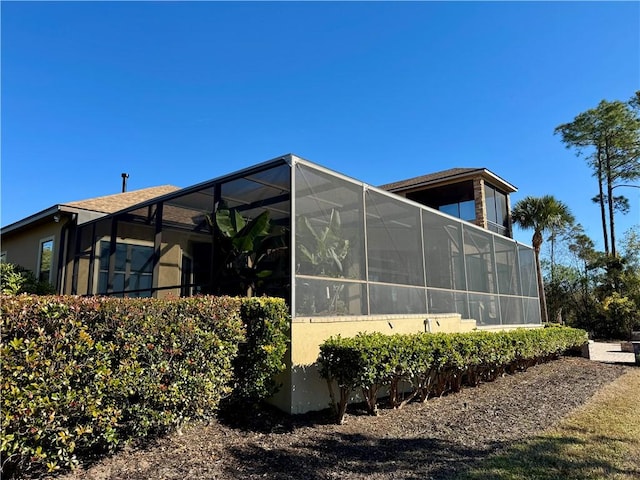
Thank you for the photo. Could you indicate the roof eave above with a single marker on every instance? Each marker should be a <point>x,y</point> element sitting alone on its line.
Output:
<point>496,180</point>
<point>36,217</point>
<point>42,215</point>
<point>501,182</point>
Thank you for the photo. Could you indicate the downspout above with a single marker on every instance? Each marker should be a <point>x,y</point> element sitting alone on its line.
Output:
<point>427,325</point>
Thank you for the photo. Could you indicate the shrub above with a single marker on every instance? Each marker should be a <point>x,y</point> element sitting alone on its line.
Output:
<point>10,281</point>
<point>88,374</point>
<point>85,375</point>
<point>433,363</point>
<point>619,315</point>
<point>261,355</point>
<point>16,279</point>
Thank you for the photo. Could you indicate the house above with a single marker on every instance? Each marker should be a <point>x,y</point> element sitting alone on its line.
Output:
<point>346,256</point>
<point>472,194</point>
<point>39,242</point>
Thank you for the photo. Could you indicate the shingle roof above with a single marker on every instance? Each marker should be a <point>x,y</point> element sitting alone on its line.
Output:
<point>443,176</point>
<point>429,178</point>
<point>119,201</point>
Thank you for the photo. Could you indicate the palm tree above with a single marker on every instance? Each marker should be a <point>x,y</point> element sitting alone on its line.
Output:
<point>540,214</point>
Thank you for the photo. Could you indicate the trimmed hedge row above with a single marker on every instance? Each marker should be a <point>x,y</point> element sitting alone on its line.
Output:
<point>261,355</point>
<point>84,375</point>
<point>432,364</point>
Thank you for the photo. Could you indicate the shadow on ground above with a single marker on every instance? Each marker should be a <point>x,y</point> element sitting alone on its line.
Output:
<point>267,419</point>
<point>358,456</point>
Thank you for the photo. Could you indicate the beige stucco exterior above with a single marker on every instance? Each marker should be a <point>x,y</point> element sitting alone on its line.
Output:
<point>23,248</point>
<point>303,389</point>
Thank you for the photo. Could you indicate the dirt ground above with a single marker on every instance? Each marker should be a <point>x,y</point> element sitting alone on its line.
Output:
<point>434,440</point>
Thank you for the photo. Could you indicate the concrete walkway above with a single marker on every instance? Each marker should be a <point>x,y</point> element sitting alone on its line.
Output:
<point>609,353</point>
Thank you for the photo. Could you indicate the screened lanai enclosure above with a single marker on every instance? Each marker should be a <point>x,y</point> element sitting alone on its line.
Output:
<point>328,244</point>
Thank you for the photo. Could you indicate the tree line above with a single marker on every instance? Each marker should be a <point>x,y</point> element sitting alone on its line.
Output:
<point>579,285</point>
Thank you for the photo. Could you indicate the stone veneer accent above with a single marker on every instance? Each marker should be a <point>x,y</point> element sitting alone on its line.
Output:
<point>481,208</point>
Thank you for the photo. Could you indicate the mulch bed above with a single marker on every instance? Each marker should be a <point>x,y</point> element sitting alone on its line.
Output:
<point>432,440</point>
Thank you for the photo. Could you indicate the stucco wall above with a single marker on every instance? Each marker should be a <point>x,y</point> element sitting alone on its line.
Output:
<point>307,390</point>
<point>23,247</point>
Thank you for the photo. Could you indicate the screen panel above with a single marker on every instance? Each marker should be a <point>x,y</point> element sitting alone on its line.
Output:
<point>478,249</point>
<point>511,310</point>
<point>392,299</point>
<point>531,310</point>
<point>319,297</point>
<point>484,309</point>
<point>329,225</point>
<point>527,271</point>
<point>507,267</point>
<point>394,243</point>
<point>443,251</point>
<point>446,301</point>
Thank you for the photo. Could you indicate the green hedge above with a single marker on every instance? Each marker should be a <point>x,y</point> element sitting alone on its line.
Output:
<point>84,375</point>
<point>261,355</point>
<point>432,364</point>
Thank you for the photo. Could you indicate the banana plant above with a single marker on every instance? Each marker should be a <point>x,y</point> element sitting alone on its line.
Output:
<point>240,247</point>
<point>327,250</point>
<point>324,251</point>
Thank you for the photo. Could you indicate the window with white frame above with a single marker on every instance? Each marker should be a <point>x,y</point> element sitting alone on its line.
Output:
<point>45,258</point>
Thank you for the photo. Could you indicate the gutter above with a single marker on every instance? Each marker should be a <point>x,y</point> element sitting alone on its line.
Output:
<point>30,219</point>
<point>79,213</point>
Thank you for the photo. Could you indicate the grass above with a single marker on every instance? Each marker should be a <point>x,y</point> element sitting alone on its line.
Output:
<point>601,440</point>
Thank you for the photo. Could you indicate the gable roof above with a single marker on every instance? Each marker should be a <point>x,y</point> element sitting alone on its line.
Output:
<point>118,201</point>
<point>448,176</point>
<point>92,208</point>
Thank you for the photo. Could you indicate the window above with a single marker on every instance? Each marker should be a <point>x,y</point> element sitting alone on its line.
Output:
<point>45,256</point>
<point>186,276</point>
<point>497,213</point>
<point>463,210</point>
<point>133,271</point>
<point>3,257</point>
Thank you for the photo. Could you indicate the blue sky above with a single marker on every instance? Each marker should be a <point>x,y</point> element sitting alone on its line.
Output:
<point>181,92</point>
